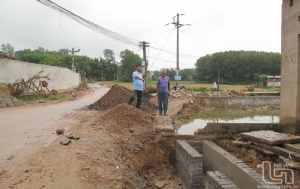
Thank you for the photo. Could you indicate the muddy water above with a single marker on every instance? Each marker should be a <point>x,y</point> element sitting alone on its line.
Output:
<point>229,115</point>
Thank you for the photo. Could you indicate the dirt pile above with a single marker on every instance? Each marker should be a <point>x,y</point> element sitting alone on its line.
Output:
<point>7,101</point>
<point>125,117</point>
<point>134,130</point>
<point>118,95</point>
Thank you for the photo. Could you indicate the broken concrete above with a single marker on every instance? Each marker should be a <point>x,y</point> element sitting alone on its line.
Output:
<point>270,137</point>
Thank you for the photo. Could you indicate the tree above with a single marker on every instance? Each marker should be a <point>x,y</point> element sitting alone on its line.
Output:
<point>129,60</point>
<point>8,50</point>
<point>109,55</point>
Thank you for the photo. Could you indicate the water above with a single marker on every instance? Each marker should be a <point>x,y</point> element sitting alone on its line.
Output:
<point>229,115</point>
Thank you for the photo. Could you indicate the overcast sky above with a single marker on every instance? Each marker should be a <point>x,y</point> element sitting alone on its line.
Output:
<point>216,25</point>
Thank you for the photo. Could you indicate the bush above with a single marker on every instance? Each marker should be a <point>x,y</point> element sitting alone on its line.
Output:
<point>124,78</point>
<point>150,89</point>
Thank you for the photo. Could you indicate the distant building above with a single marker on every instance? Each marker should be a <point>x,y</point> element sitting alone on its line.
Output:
<point>7,57</point>
<point>274,81</point>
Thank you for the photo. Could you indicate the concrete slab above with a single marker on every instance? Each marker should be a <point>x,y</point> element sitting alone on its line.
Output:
<point>292,147</point>
<point>270,137</point>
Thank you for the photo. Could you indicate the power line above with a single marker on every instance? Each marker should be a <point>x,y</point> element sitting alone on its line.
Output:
<point>162,48</point>
<point>171,61</point>
<point>90,24</point>
<point>186,55</point>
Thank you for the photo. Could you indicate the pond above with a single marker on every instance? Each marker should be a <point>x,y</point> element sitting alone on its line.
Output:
<point>229,115</point>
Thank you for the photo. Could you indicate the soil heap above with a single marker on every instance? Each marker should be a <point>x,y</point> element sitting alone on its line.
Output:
<point>7,101</point>
<point>118,95</point>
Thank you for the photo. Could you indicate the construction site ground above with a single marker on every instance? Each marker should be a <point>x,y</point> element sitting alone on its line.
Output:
<point>119,146</point>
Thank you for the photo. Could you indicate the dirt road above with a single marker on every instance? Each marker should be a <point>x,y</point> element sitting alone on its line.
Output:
<point>24,130</point>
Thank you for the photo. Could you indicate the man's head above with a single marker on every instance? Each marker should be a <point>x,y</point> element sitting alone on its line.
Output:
<point>163,73</point>
<point>138,68</point>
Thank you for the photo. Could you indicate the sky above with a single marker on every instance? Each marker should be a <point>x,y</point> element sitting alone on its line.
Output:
<point>216,26</point>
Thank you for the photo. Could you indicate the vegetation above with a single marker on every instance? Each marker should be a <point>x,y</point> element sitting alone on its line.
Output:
<point>42,97</point>
<point>237,66</point>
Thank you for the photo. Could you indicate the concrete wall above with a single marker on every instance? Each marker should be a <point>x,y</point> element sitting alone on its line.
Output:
<point>217,180</point>
<point>240,101</point>
<point>216,158</point>
<point>189,164</point>
<point>60,78</point>
<point>175,105</point>
<point>290,71</point>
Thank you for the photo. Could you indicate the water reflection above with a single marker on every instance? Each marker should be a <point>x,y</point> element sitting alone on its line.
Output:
<point>229,115</point>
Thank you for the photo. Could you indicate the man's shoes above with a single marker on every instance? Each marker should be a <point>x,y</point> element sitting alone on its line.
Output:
<point>166,114</point>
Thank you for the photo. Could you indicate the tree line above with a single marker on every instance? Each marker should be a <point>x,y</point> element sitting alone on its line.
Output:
<point>237,66</point>
<point>234,66</point>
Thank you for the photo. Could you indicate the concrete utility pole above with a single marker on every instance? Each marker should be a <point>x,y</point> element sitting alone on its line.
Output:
<point>144,45</point>
<point>218,78</point>
<point>177,26</point>
<point>73,57</point>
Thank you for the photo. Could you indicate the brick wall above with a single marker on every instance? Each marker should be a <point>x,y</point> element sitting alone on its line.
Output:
<point>217,180</point>
<point>189,164</point>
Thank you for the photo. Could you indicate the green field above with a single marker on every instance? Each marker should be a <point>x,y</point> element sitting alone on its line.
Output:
<point>192,86</point>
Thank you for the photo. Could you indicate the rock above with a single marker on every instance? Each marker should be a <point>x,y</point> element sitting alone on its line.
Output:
<point>60,131</point>
<point>168,177</point>
<point>179,183</point>
<point>160,184</point>
<point>76,137</point>
<point>146,177</point>
<point>152,117</point>
<point>65,141</point>
<point>141,146</point>
<point>131,130</point>
<point>87,168</point>
<point>42,101</point>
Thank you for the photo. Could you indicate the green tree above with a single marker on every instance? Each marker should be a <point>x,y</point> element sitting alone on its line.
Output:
<point>129,60</point>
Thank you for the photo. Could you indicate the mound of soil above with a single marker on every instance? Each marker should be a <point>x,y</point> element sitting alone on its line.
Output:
<point>123,117</point>
<point>7,101</point>
<point>118,95</point>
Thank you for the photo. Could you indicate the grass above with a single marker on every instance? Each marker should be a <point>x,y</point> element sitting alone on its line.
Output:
<point>43,97</point>
<point>192,86</point>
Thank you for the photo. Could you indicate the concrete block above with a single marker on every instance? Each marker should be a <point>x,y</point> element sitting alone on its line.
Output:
<point>215,160</point>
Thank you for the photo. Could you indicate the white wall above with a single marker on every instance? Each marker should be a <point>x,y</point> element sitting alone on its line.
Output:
<point>60,78</point>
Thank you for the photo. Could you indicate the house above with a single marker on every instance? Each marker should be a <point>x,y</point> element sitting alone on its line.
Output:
<point>274,81</point>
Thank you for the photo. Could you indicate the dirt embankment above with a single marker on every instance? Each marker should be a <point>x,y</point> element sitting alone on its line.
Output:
<point>119,147</point>
<point>6,100</point>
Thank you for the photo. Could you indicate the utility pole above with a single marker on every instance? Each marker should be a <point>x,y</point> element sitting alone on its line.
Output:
<point>73,57</point>
<point>144,45</point>
<point>218,78</point>
<point>177,26</point>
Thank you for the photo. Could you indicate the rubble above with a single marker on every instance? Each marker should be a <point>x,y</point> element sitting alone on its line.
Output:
<point>220,93</point>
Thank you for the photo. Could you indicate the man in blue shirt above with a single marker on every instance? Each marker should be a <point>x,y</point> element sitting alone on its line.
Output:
<point>163,92</point>
<point>138,86</point>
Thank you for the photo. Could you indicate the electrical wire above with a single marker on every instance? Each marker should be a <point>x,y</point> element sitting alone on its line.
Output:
<point>162,47</point>
<point>89,24</point>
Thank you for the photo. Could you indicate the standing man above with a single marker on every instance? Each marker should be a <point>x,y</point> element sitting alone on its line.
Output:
<point>163,92</point>
<point>138,86</point>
